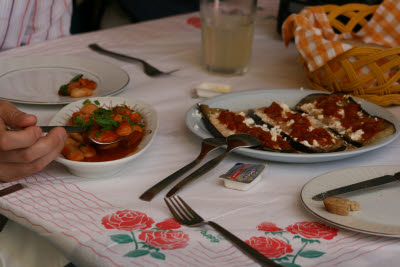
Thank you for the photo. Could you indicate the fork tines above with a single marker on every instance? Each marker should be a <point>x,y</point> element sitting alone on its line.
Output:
<point>182,212</point>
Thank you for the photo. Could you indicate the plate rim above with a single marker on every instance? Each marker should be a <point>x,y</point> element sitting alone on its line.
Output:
<point>55,58</point>
<point>292,157</point>
<point>339,224</point>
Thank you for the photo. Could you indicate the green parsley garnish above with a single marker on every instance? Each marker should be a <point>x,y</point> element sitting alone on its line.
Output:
<point>63,90</point>
<point>97,102</point>
<point>76,78</point>
<point>81,145</point>
<point>80,122</point>
<point>103,117</point>
<point>87,101</point>
<point>98,134</point>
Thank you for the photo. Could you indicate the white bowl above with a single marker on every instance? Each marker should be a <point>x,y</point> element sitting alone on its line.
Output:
<point>107,168</point>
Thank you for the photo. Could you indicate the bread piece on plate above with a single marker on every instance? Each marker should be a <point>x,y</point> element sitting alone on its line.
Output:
<point>346,117</point>
<point>223,123</point>
<point>340,206</point>
<point>306,133</point>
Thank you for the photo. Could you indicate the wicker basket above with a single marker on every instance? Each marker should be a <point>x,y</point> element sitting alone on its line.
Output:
<point>346,73</point>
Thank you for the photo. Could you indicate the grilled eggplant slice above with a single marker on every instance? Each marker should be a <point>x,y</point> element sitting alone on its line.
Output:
<point>306,134</point>
<point>346,117</point>
<point>222,122</point>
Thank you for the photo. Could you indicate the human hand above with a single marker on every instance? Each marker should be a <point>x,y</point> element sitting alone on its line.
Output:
<point>25,151</point>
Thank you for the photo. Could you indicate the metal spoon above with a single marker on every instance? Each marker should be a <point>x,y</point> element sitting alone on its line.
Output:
<point>103,143</point>
<point>208,145</point>
<point>234,141</point>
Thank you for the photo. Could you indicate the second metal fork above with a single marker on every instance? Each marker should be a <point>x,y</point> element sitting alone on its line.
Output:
<point>147,68</point>
<point>187,216</point>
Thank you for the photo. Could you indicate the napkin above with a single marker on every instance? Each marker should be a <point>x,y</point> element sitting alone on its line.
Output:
<point>317,42</point>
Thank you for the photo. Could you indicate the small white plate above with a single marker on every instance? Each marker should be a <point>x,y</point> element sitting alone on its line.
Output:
<point>378,214</point>
<point>36,79</point>
<point>264,97</point>
<point>107,168</point>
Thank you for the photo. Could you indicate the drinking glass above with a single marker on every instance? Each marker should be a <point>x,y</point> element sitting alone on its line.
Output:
<point>227,28</point>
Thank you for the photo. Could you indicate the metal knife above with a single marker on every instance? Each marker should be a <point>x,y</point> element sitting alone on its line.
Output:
<point>197,173</point>
<point>208,145</point>
<point>358,186</point>
<point>45,129</point>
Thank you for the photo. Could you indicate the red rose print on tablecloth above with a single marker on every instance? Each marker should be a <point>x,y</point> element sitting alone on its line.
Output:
<point>166,240</point>
<point>195,22</point>
<point>270,247</point>
<point>127,220</point>
<point>268,227</point>
<point>168,224</point>
<point>154,240</point>
<point>313,230</point>
<point>298,236</point>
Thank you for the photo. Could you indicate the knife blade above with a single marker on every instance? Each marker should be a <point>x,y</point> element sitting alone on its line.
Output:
<point>358,186</point>
<point>197,173</point>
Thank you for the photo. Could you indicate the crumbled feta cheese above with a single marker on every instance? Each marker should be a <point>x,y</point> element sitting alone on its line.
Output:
<point>305,143</point>
<point>320,117</point>
<point>285,107</point>
<point>315,143</point>
<point>249,121</point>
<point>357,135</point>
<point>310,128</point>
<point>274,133</point>
<point>360,114</point>
<point>341,112</point>
<point>290,122</point>
<point>197,114</point>
<point>308,107</point>
<point>336,124</point>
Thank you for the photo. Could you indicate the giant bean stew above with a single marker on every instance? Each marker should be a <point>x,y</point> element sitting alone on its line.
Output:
<point>104,124</point>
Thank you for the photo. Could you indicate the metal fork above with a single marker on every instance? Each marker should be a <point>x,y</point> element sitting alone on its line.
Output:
<point>187,216</point>
<point>147,68</point>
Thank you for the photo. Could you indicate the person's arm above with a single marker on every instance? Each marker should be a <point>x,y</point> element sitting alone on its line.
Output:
<point>25,151</point>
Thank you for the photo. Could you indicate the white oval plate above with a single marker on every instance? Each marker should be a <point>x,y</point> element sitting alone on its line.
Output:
<point>107,168</point>
<point>36,79</point>
<point>378,214</point>
<point>264,97</point>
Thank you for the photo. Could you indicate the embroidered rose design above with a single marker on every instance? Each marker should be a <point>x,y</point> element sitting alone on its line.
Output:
<point>168,224</point>
<point>166,240</point>
<point>281,248</point>
<point>270,247</point>
<point>127,220</point>
<point>312,230</point>
<point>153,241</point>
<point>269,227</point>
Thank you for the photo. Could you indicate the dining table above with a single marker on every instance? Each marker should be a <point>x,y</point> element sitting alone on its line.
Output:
<point>59,218</point>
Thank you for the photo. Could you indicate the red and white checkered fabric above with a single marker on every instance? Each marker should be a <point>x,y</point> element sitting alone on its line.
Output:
<point>317,42</point>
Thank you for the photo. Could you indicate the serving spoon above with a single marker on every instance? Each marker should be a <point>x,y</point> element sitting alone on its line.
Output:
<point>233,141</point>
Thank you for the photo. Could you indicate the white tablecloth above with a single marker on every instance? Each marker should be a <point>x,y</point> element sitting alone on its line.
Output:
<point>72,213</point>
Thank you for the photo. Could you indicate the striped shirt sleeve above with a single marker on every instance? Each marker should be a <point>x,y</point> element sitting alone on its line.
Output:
<point>25,22</point>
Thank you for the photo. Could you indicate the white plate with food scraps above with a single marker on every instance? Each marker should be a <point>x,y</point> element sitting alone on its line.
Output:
<point>378,214</point>
<point>108,168</point>
<point>263,97</point>
<point>37,79</point>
